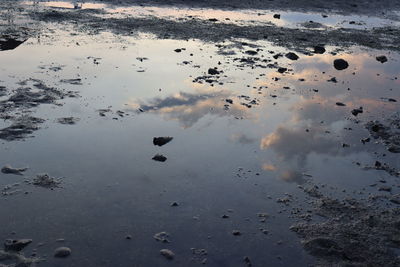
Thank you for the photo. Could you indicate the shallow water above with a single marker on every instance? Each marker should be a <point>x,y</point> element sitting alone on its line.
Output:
<point>236,160</point>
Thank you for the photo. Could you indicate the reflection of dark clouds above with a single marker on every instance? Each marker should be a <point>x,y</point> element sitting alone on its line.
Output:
<point>292,177</point>
<point>319,111</point>
<point>242,139</point>
<point>297,143</point>
<point>188,108</point>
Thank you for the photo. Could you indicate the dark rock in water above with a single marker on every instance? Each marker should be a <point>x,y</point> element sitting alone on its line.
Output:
<point>236,232</point>
<point>247,261</point>
<point>44,180</point>
<point>10,44</point>
<point>213,71</point>
<point>333,80</point>
<point>323,247</point>
<point>168,254</point>
<point>162,237</point>
<point>382,59</point>
<point>178,50</point>
<point>340,64</point>
<point>251,52</point>
<point>160,141</point>
<point>277,16</point>
<point>213,20</point>
<point>292,56</point>
<point>10,170</point>
<point>319,49</point>
<point>160,158</point>
<point>282,70</point>
<point>340,104</point>
<point>68,120</point>
<point>230,101</point>
<point>357,111</point>
<point>174,204</point>
<point>62,252</point>
<point>16,244</point>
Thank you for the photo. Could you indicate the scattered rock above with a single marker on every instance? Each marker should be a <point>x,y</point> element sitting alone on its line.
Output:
<point>160,158</point>
<point>340,104</point>
<point>62,252</point>
<point>213,71</point>
<point>292,56</point>
<point>10,170</point>
<point>381,59</point>
<point>68,120</point>
<point>162,237</point>
<point>277,16</point>
<point>340,64</point>
<point>236,232</point>
<point>319,49</point>
<point>357,111</point>
<point>168,254</point>
<point>44,180</point>
<point>160,141</point>
<point>16,244</point>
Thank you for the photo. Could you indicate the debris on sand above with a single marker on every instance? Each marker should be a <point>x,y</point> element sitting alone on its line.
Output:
<point>388,133</point>
<point>68,120</point>
<point>160,141</point>
<point>62,252</point>
<point>21,128</point>
<point>351,233</point>
<point>357,111</point>
<point>10,43</point>
<point>381,59</point>
<point>76,81</point>
<point>168,254</point>
<point>10,170</point>
<point>292,56</point>
<point>214,71</point>
<point>16,244</point>
<point>44,180</point>
<point>340,64</point>
<point>162,237</point>
<point>12,256</point>
<point>160,158</point>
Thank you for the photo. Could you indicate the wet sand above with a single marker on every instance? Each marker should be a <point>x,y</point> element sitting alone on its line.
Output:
<point>200,133</point>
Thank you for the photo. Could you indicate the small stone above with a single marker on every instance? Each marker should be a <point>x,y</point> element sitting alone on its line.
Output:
<point>160,158</point>
<point>213,71</point>
<point>16,244</point>
<point>340,104</point>
<point>381,59</point>
<point>277,16</point>
<point>160,141</point>
<point>340,64</point>
<point>168,254</point>
<point>319,49</point>
<point>292,56</point>
<point>236,232</point>
<point>174,204</point>
<point>62,252</point>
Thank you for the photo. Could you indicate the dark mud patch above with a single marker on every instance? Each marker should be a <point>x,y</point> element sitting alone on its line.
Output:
<point>387,132</point>
<point>12,256</point>
<point>23,100</point>
<point>205,30</point>
<point>10,170</point>
<point>350,232</point>
<point>21,128</point>
<point>68,120</point>
<point>44,180</point>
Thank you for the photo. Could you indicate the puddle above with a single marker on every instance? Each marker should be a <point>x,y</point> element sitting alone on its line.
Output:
<point>245,137</point>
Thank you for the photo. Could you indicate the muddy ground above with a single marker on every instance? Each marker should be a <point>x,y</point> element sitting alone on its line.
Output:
<point>243,143</point>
